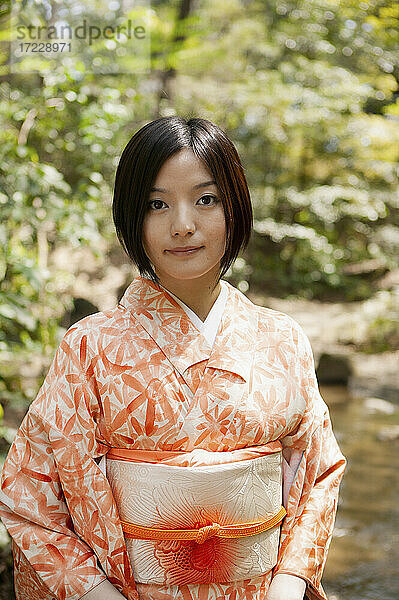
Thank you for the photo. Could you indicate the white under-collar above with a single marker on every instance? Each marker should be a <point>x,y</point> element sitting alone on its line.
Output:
<point>210,326</point>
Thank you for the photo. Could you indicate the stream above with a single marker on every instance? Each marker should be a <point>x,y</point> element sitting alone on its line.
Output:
<point>363,561</point>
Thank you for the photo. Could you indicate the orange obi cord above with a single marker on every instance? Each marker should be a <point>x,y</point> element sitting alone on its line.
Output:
<point>137,532</point>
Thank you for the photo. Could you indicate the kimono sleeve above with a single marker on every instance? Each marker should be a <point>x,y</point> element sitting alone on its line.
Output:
<point>47,463</point>
<point>314,466</point>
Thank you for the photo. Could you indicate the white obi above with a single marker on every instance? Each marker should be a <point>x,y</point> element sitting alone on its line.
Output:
<point>161,496</point>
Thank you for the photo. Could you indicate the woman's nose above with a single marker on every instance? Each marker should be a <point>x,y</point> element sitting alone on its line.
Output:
<point>183,222</point>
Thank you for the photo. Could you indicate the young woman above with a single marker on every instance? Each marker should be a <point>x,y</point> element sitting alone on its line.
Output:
<point>179,447</point>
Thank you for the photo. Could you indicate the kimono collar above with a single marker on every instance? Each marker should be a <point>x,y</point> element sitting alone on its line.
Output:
<point>182,343</point>
<point>210,325</point>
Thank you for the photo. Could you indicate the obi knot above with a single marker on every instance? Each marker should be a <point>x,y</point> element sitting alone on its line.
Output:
<point>207,532</point>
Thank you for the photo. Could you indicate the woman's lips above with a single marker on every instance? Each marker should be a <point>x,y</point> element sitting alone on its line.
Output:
<point>184,252</point>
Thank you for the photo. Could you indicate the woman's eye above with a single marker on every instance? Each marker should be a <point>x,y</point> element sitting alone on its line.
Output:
<point>209,199</point>
<point>156,204</point>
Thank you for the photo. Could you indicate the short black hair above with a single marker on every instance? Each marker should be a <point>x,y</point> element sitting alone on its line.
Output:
<point>142,159</point>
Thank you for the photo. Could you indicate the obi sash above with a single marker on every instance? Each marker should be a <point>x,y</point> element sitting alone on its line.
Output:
<point>199,517</point>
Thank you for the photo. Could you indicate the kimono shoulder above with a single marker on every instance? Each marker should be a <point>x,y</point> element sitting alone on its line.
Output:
<point>277,326</point>
<point>68,400</point>
<point>81,349</point>
<point>291,346</point>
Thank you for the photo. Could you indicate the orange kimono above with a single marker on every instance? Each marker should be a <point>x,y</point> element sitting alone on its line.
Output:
<point>142,377</point>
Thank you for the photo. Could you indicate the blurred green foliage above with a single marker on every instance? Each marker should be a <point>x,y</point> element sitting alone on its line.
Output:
<point>307,90</point>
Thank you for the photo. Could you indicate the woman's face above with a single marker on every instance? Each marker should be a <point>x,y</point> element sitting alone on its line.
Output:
<point>184,210</point>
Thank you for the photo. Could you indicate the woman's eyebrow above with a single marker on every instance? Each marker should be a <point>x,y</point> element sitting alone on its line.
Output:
<point>204,184</point>
<point>195,187</point>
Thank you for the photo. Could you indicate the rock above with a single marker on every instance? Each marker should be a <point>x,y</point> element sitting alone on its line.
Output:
<point>362,386</point>
<point>388,434</point>
<point>81,308</point>
<point>373,405</point>
<point>389,281</point>
<point>334,369</point>
<point>341,531</point>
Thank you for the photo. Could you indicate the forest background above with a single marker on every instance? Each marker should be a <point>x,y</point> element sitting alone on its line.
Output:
<point>309,93</point>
